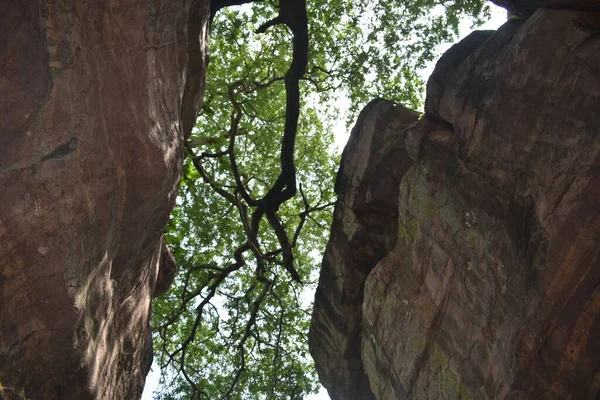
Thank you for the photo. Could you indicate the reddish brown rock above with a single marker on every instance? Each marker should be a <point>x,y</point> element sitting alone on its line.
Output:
<point>363,233</point>
<point>491,288</point>
<point>95,99</point>
<point>525,8</point>
<point>167,270</point>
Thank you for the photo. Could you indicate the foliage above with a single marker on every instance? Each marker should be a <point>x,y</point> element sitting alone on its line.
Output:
<point>234,324</point>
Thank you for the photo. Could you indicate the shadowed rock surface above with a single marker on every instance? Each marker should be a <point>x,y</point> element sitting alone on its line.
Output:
<point>467,265</point>
<point>363,233</point>
<point>95,99</point>
<point>528,7</point>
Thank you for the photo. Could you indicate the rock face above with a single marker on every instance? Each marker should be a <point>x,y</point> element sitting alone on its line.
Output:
<point>464,260</point>
<point>528,7</point>
<point>95,99</point>
<point>364,232</point>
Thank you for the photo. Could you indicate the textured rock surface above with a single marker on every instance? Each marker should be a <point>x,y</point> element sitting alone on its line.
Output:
<point>364,232</point>
<point>490,288</point>
<point>95,98</point>
<point>528,7</point>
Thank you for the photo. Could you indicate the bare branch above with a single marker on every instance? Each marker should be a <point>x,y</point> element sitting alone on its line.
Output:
<point>247,332</point>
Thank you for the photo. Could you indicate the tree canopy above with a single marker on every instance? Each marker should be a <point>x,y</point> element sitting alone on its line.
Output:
<point>255,206</point>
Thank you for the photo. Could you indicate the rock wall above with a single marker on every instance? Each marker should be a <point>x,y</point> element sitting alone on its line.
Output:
<point>364,231</point>
<point>95,99</point>
<point>464,260</point>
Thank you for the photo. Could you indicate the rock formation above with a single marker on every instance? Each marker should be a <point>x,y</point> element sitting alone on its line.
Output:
<point>525,8</point>
<point>95,99</point>
<point>464,260</point>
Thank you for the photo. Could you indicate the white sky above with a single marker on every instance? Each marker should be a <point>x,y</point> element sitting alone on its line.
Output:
<point>341,137</point>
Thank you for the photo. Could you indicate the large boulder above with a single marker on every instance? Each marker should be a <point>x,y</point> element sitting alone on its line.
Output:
<point>95,100</point>
<point>523,8</point>
<point>363,233</point>
<point>490,285</point>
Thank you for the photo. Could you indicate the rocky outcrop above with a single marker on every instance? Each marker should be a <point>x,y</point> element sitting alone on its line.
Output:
<point>95,99</point>
<point>469,268</point>
<point>527,7</point>
<point>364,232</point>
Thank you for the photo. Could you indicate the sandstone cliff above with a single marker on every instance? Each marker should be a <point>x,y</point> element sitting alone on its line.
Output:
<point>464,260</point>
<point>95,98</point>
